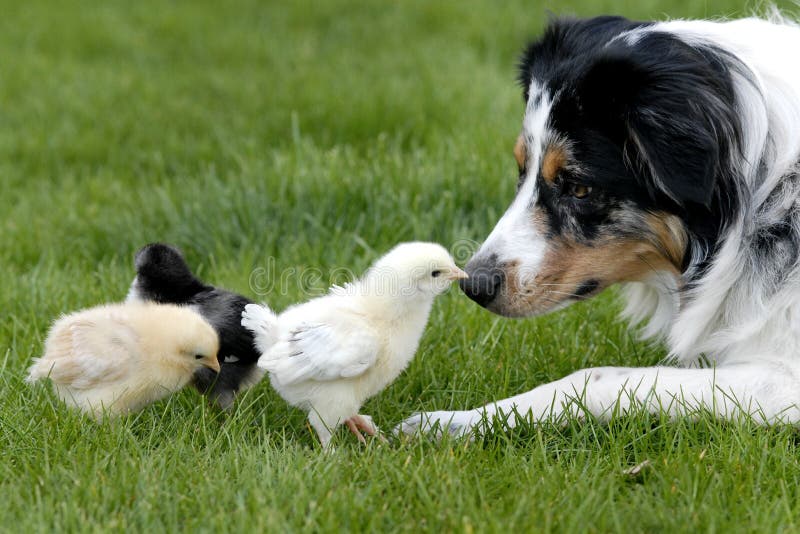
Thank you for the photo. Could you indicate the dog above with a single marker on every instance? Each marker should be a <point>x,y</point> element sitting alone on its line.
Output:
<point>665,157</point>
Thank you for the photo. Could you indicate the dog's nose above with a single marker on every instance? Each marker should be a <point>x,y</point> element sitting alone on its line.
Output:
<point>485,279</point>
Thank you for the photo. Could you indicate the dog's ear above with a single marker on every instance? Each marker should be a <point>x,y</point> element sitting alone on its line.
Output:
<point>669,105</point>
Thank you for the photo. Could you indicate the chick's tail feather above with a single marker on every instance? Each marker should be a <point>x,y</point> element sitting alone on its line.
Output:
<point>38,370</point>
<point>263,323</point>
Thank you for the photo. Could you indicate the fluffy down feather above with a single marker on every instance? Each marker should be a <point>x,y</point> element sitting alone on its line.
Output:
<point>118,358</point>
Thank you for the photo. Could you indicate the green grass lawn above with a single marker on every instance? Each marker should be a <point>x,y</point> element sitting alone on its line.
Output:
<point>265,135</point>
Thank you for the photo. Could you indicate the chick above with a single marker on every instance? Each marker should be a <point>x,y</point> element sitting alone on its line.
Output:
<point>118,358</point>
<point>329,355</point>
<point>162,275</point>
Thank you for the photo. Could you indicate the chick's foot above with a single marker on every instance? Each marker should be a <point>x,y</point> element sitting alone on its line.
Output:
<point>363,423</point>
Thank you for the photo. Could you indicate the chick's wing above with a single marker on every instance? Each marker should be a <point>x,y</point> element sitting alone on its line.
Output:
<point>322,351</point>
<point>98,350</point>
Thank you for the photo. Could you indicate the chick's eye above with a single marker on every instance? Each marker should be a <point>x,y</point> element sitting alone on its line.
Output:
<point>436,274</point>
<point>579,191</point>
<point>198,356</point>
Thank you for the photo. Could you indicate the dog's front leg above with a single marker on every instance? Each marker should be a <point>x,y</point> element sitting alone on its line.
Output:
<point>768,392</point>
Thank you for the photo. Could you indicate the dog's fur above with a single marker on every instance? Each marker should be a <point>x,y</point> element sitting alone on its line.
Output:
<point>666,157</point>
<point>162,275</point>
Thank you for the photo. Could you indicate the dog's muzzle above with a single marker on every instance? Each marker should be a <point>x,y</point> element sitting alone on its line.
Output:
<point>485,280</point>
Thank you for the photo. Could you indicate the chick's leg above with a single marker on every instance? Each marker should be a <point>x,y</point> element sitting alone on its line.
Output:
<point>324,433</point>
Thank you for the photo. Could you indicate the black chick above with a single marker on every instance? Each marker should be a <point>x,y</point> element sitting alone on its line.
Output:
<point>162,275</point>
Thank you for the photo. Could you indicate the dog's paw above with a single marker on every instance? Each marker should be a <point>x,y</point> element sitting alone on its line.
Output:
<point>437,424</point>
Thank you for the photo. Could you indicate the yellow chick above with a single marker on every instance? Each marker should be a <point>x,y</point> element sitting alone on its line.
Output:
<point>118,358</point>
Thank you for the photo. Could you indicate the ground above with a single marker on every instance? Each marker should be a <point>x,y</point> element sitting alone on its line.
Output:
<point>268,140</point>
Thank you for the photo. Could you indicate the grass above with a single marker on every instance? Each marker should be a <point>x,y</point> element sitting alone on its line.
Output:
<point>264,137</point>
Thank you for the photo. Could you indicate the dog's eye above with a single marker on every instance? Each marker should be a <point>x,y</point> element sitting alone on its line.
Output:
<point>579,191</point>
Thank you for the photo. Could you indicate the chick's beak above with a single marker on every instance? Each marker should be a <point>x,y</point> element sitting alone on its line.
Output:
<point>212,363</point>
<point>457,274</point>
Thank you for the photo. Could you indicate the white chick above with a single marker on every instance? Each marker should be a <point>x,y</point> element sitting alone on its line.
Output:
<point>118,358</point>
<point>329,355</point>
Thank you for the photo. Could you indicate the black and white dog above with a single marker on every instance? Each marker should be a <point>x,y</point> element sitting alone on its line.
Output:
<point>664,156</point>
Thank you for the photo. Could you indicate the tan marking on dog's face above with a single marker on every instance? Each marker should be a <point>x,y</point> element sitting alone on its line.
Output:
<point>568,265</point>
<point>670,235</point>
<point>553,161</point>
<point>520,153</point>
